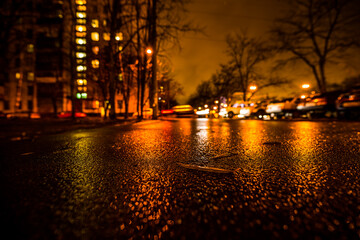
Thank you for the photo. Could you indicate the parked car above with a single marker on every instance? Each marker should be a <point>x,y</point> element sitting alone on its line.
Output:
<point>282,108</point>
<point>67,114</point>
<point>348,104</point>
<point>240,109</point>
<point>167,112</point>
<point>258,111</point>
<point>321,105</point>
<point>183,110</point>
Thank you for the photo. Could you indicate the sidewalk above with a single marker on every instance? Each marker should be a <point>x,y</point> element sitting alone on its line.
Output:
<point>18,129</point>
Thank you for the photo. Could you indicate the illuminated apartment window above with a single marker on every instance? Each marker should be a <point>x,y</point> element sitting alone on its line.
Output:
<point>95,23</point>
<point>80,2</point>
<point>81,41</point>
<point>82,89</point>
<point>95,36</point>
<point>81,8</point>
<point>30,48</point>
<point>106,36</point>
<point>81,34</point>
<point>80,61</point>
<point>95,63</point>
<point>120,48</point>
<point>81,21</point>
<point>95,50</point>
<point>119,37</point>
<point>120,77</point>
<point>82,82</point>
<point>80,28</point>
<point>104,22</point>
<point>30,76</point>
<point>81,75</point>
<point>83,95</point>
<point>17,75</point>
<point>81,68</point>
<point>81,15</point>
<point>80,55</point>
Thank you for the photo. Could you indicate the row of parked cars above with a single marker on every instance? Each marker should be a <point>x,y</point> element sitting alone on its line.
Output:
<point>331,104</point>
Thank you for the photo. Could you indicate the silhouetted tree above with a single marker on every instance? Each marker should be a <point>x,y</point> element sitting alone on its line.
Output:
<point>317,32</point>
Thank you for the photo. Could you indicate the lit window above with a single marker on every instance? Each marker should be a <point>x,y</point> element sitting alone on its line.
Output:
<point>80,28</point>
<point>83,95</point>
<point>81,68</point>
<point>80,55</point>
<point>81,61</point>
<point>80,81</point>
<point>81,21</point>
<point>17,75</point>
<point>106,36</point>
<point>95,50</point>
<point>81,41</point>
<point>120,48</point>
<point>81,34</point>
<point>84,82</point>
<point>81,15</point>
<point>120,77</point>
<point>95,36</point>
<point>82,89</point>
<point>30,48</point>
<point>81,75</point>
<point>30,76</point>
<point>104,22</point>
<point>95,23</point>
<point>78,95</point>
<point>119,37</point>
<point>80,2</point>
<point>95,63</point>
<point>81,8</point>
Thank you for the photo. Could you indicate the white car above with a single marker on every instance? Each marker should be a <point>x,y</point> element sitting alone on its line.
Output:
<point>282,108</point>
<point>240,109</point>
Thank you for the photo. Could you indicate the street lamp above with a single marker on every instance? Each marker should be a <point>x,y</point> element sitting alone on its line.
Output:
<point>149,51</point>
<point>252,87</point>
<point>305,86</point>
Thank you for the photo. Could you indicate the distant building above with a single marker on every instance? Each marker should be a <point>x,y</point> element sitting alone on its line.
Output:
<point>45,51</point>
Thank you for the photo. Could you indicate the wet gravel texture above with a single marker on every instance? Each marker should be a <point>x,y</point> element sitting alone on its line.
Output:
<point>185,179</point>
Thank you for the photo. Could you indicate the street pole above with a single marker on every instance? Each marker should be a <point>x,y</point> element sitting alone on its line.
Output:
<point>154,83</point>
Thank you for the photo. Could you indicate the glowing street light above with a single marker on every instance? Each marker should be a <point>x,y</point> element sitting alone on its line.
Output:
<point>149,51</point>
<point>305,86</point>
<point>252,87</point>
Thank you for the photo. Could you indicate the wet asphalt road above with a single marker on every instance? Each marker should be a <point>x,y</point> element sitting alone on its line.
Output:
<point>185,179</point>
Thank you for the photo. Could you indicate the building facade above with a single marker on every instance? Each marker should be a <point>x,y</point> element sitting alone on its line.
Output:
<point>61,50</point>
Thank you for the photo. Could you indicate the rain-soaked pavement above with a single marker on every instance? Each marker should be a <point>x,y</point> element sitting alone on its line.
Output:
<point>185,179</point>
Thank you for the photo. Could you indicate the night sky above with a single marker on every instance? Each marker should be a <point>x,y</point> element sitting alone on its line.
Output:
<point>201,54</point>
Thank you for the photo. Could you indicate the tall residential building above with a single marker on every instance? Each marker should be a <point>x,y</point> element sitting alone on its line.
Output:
<point>48,54</point>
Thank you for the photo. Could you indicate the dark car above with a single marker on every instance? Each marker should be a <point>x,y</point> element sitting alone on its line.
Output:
<point>348,104</point>
<point>321,105</point>
<point>68,115</point>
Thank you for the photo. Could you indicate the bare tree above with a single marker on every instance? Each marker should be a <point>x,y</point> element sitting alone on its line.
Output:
<point>247,55</point>
<point>317,32</point>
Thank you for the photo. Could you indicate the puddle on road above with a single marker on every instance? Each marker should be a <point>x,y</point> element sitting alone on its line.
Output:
<point>205,169</point>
